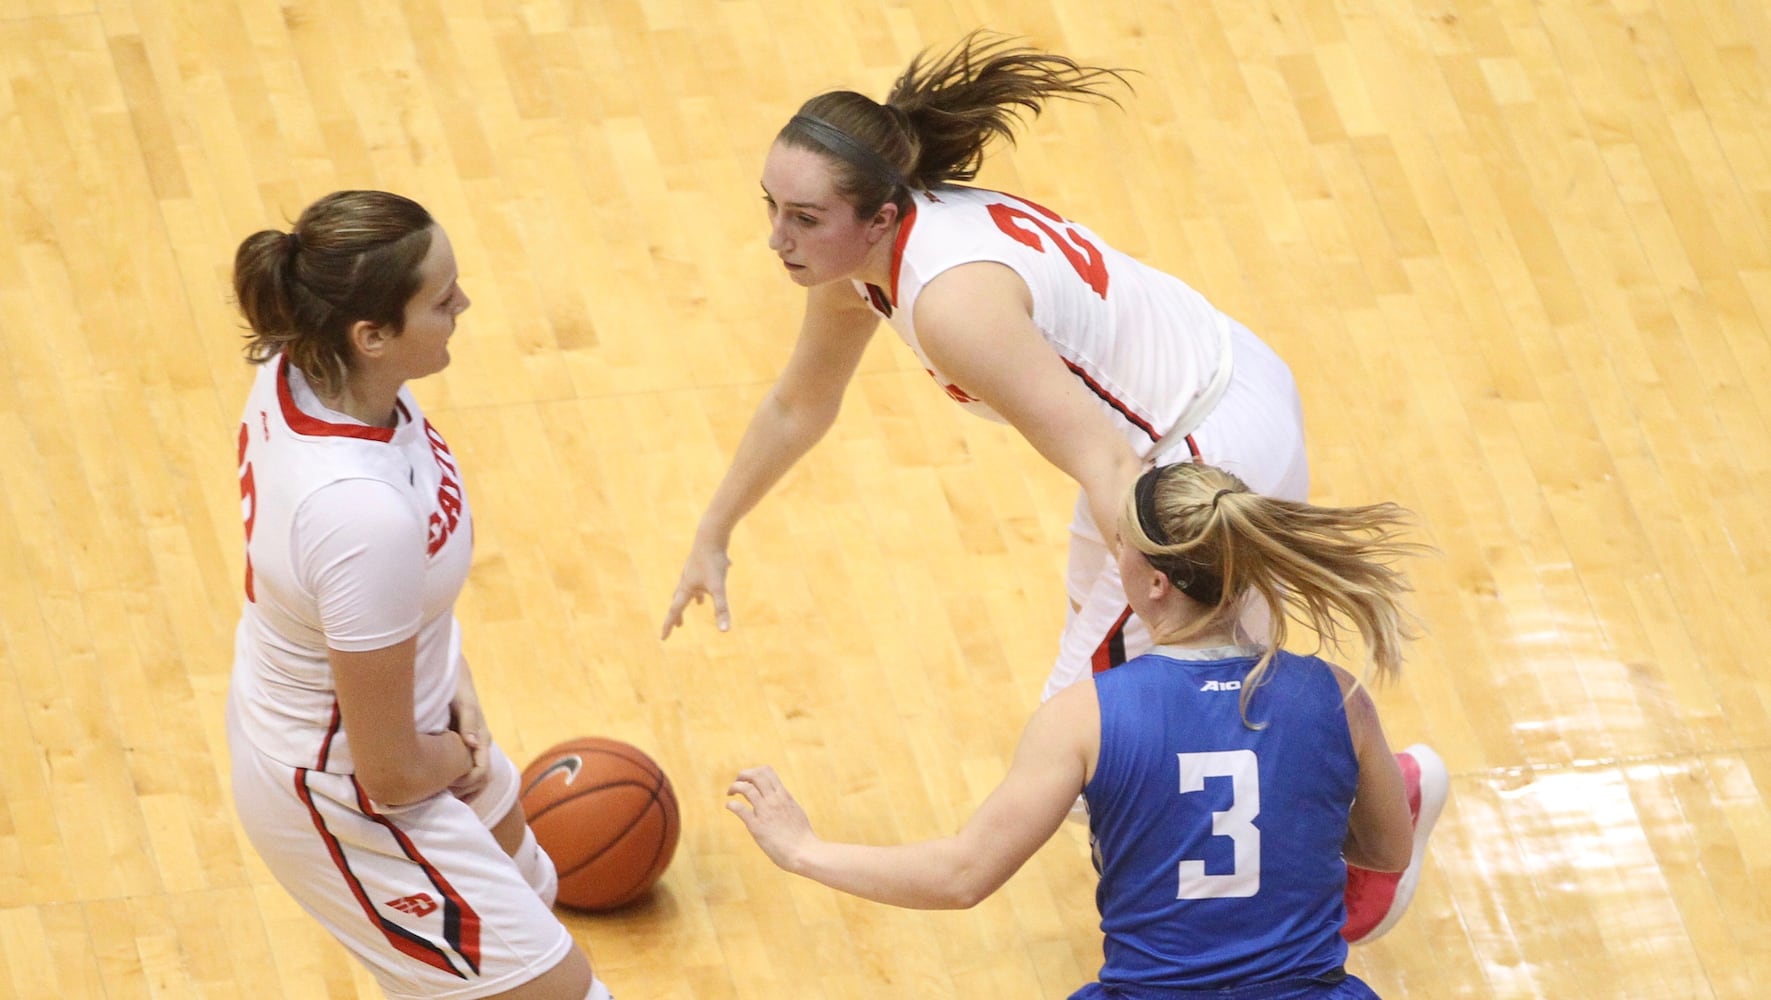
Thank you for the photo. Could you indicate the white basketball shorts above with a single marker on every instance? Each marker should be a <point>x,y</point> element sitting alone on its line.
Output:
<point>420,894</point>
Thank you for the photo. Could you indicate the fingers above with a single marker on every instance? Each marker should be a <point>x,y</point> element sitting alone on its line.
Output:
<point>757,784</point>
<point>673,619</point>
<point>758,775</point>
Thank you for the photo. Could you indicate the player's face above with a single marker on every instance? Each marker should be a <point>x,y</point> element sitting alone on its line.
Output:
<point>423,343</point>
<point>812,228</point>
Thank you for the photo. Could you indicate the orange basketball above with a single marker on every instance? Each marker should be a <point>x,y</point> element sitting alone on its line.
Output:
<point>605,813</point>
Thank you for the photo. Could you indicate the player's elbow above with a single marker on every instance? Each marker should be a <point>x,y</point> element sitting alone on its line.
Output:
<point>968,884</point>
<point>949,895</point>
<point>966,897</point>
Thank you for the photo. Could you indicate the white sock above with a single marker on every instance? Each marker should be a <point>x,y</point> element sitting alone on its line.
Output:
<point>538,871</point>
<point>597,990</point>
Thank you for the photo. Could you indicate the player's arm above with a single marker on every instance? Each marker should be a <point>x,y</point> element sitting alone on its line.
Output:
<point>793,417</point>
<point>975,322</point>
<point>1051,766</point>
<point>396,764</point>
<point>1380,831</point>
<point>361,552</point>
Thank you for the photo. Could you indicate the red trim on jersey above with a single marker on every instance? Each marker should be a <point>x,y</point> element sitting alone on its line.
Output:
<point>402,939</point>
<point>302,423</point>
<point>876,297</point>
<point>1125,411</point>
<point>332,727</point>
<point>1111,652</point>
<point>461,922</point>
<point>1193,446</point>
<point>908,223</point>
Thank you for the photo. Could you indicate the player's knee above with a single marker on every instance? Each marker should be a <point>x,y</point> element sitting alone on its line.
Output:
<point>537,868</point>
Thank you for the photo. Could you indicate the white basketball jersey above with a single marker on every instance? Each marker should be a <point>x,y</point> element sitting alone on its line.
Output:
<point>291,447</point>
<point>1144,343</point>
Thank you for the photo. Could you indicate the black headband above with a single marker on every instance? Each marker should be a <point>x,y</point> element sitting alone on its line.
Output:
<point>848,149</point>
<point>1190,576</point>
<point>1146,496</point>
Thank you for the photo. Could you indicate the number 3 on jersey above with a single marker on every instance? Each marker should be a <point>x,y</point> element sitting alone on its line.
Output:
<point>1025,227</point>
<point>1236,822</point>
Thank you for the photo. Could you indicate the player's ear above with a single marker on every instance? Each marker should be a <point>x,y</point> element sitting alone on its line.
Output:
<point>1159,586</point>
<point>368,339</point>
<point>880,225</point>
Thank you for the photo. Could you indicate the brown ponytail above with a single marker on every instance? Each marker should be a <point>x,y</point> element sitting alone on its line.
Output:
<point>940,115</point>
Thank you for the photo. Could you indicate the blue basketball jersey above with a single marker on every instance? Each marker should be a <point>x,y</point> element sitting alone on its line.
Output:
<point>1219,846</point>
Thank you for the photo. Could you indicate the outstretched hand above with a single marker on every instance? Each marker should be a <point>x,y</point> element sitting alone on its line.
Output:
<point>769,812</point>
<point>704,576</point>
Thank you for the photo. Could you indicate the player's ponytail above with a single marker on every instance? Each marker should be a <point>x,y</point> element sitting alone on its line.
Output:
<point>353,255</point>
<point>1330,568</point>
<point>939,117</point>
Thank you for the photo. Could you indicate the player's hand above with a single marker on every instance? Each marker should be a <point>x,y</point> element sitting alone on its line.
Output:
<point>704,576</point>
<point>466,718</point>
<point>770,813</point>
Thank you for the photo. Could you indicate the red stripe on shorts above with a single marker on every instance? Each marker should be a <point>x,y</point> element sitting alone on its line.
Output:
<point>405,941</point>
<point>461,922</point>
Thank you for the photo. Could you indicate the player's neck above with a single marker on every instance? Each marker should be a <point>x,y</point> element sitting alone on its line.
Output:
<point>1209,639</point>
<point>363,400</point>
<point>876,270</point>
<point>1179,630</point>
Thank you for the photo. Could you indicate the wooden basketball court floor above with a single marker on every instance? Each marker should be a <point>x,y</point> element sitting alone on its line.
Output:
<point>1515,251</point>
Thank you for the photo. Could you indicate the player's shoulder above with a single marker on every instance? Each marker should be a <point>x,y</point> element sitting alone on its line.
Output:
<point>949,205</point>
<point>1311,664</point>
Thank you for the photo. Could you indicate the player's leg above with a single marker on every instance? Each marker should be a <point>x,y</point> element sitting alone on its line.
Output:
<point>499,806</point>
<point>570,979</point>
<point>1100,631</point>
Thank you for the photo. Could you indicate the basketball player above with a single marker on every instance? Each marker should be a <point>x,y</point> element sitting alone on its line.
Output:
<point>362,768</point>
<point>1226,782</point>
<point>1103,363</point>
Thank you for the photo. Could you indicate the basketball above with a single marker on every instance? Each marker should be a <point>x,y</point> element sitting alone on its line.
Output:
<point>605,813</point>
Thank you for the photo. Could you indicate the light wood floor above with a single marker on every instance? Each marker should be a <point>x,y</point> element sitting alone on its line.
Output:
<point>1516,252</point>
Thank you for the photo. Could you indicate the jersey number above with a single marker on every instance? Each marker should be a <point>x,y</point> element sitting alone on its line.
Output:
<point>1236,822</point>
<point>248,507</point>
<point>1084,256</point>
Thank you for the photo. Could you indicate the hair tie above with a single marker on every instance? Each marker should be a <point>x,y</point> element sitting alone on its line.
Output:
<point>292,241</point>
<point>1219,496</point>
<point>848,149</point>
